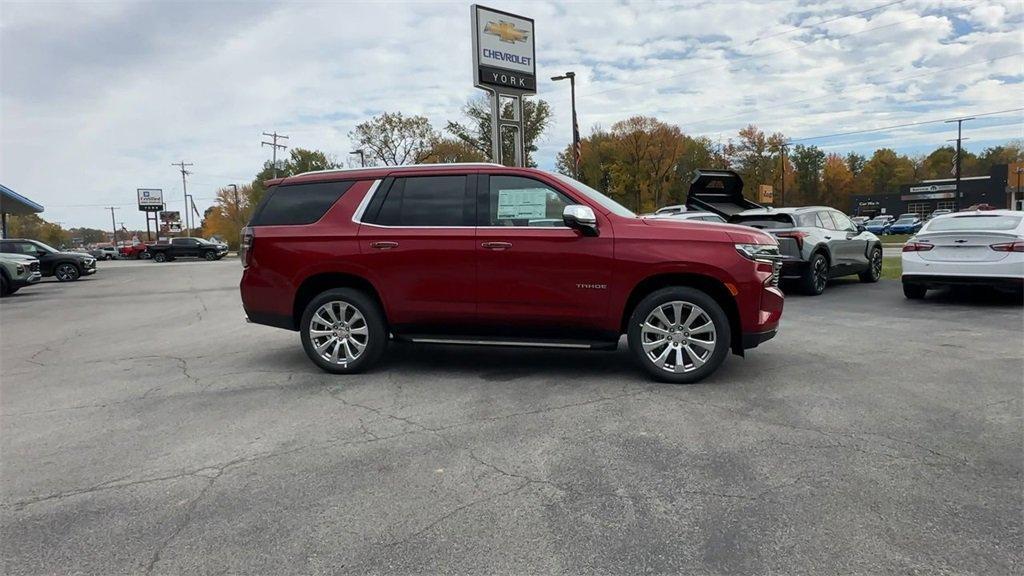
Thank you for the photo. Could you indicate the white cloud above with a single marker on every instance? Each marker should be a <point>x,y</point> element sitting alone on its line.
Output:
<point>101,98</point>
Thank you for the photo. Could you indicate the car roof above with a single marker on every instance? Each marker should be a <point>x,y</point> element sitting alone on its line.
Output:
<point>377,172</point>
<point>783,210</point>
<point>1000,212</point>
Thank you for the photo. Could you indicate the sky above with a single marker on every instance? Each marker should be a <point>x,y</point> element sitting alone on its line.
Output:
<point>99,99</point>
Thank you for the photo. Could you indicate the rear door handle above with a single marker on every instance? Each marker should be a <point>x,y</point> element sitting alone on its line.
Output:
<point>496,245</point>
<point>384,245</point>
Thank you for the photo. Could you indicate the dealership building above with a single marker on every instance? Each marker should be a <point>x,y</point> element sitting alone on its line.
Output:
<point>1001,188</point>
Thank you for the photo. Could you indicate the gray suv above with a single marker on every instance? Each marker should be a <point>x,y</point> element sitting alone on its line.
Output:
<point>816,243</point>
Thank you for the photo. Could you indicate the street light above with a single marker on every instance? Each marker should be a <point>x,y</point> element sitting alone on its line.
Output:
<point>1017,197</point>
<point>362,158</point>
<point>571,76</point>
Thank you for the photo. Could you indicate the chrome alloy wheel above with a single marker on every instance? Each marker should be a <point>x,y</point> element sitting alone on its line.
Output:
<point>678,336</point>
<point>876,264</point>
<point>338,332</point>
<point>820,274</point>
<point>66,272</point>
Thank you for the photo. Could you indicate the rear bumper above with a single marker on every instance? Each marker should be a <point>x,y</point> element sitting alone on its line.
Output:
<point>943,280</point>
<point>275,320</point>
<point>792,267</point>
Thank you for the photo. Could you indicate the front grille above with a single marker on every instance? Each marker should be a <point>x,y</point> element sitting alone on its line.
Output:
<point>773,280</point>
<point>34,266</point>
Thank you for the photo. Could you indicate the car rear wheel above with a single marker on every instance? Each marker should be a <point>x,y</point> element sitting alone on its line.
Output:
<point>343,331</point>
<point>874,271</point>
<point>159,257</point>
<point>815,277</point>
<point>210,255</point>
<point>67,272</point>
<point>914,291</point>
<point>679,335</point>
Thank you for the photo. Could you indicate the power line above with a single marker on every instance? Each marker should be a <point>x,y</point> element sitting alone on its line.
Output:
<point>184,191</point>
<point>893,81</point>
<point>906,125</point>
<point>274,145</point>
<point>819,24</point>
<point>756,56</point>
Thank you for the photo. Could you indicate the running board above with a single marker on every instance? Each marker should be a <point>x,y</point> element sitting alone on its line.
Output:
<point>477,341</point>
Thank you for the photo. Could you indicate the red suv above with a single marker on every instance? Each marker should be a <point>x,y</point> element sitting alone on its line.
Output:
<point>486,254</point>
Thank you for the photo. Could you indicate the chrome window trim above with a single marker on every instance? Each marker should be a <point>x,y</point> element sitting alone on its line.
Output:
<point>357,216</point>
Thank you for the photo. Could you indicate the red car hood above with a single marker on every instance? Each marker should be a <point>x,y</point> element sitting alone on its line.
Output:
<point>712,230</point>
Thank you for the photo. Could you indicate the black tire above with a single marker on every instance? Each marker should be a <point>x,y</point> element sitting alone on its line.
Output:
<point>373,317</point>
<point>874,271</point>
<point>210,255</point>
<point>160,257</point>
<point>686,345</point>
<point>815,276</point>
<point>5,289</point>
<point>914,291</point>
<point>66,272</point>
<point>12,289</point>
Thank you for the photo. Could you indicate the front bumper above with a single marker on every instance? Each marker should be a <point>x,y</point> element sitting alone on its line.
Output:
<point>753,339</point>
<point>28,280</point>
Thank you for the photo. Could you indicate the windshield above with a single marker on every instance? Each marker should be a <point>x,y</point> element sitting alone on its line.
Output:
<point>590,193</point>
<point>907,219</point>
<point>42,246</point>
<point>879,221</point>
<point>977,222</point>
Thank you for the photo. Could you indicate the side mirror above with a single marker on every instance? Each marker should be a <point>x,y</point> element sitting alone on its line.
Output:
<point>580,218</point>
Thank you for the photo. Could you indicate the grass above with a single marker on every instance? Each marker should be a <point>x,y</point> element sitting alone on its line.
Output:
<point>892,267</point>
<point>894,238</point>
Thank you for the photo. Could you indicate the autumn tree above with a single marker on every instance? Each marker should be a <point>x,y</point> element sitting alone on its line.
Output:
<point>36,228</point>
<point>884,172</point>
<point>808,161</point>
<point>756,156</point>
<point>451,150</point>
<point>393,139</point>
<point>475,131</point>
<point>837,182</point>
<point>229,213</point>
<point>648,152</point>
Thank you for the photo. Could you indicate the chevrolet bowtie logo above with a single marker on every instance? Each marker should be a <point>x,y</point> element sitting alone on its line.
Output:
<point>506,31</point>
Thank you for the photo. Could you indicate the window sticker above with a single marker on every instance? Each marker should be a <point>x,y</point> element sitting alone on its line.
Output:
<point>522,204</point>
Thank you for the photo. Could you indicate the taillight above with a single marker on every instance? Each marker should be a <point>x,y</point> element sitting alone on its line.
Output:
<point>1015,246</point>
<point>246,245</point>
<point>917,247</point>
<point>795,235</point>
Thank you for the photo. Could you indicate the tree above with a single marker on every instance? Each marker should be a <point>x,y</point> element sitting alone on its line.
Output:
<point>855,163</point>
<point>756,156</point>
<point>648,152</point>
<point>33,227</point>
<point>1009,153</point>
<point>393,139</point>
<point>884,172</point>
<point>450,150</point>
<point>808,162</point>
<point>837,182</point>
<point>476,132</point>
<point>229,214</point>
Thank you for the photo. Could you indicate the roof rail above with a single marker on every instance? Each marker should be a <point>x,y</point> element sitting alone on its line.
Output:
<point>405,167</point>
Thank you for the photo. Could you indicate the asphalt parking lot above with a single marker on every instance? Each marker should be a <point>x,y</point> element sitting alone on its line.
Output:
<point>147,429</point>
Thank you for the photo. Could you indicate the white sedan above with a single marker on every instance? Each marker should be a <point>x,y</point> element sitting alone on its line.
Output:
<point>976,248</point>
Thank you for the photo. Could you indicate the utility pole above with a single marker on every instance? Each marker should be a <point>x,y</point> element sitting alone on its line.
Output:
<point>113,225</point>
<point>959,134</point>
<point>782,189</point>
<point>184,190</point>
<point>571,76</point>
<point>274,145</point>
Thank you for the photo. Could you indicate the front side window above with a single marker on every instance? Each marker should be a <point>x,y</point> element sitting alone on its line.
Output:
<point>842,221</point>
<point>519,201</point>
<point>426,201</point>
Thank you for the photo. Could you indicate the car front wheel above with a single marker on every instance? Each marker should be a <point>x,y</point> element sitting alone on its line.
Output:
<point>874,271</point>
<point>211,256</point>
<point>343,331</point>
<point>159,257</point>
<point>67,272</point>
<point>679,335</point>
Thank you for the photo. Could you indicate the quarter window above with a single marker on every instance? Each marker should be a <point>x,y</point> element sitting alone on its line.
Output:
<point>426,201</point>
<point>299,203</point>
<point>823,221</point>
<point>518,201</point>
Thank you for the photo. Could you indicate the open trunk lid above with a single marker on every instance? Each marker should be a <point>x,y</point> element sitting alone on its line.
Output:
<point>718,191</point>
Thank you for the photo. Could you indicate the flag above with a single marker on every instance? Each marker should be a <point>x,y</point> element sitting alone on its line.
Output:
<point>956,159</point>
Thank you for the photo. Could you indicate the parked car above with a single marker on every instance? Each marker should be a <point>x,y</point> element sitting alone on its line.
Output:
<point>104,252</point>
<point>187,248</point>
<point>135,251</point>
<point>16,272</point>
<point>906,224</point>
<point>816,243</point>
<point>65,266</point>
<point>966,248</point>
<point>860,220</point>
<point>445,254</point>
<point>879,224</point>
<point>939,212</point>
<point>692,215</point>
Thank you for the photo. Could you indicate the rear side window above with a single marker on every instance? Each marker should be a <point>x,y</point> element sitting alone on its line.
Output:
<point>979,222</point>
<point>299,203</point>
<point>765,222</point>
<point>426,201</point>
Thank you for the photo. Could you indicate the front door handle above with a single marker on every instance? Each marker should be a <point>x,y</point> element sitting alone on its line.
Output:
<point>828,237</point>
<point>384,245</point>
<point>496,245</point>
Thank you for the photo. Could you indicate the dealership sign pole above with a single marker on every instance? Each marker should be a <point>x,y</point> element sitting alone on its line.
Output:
<point>504,64</point>
<point>151,201</point>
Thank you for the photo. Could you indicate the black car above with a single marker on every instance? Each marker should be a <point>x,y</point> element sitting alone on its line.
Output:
<point>816,243</point>
<point>65,266</point>
<point>187,248</point>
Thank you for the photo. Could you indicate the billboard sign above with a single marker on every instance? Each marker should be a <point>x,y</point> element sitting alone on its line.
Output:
<point>151,199</point>
<point>503,51</point>
<point>765,194</point>
<point>174,216</point>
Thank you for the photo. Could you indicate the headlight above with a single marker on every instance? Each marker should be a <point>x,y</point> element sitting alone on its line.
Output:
<point>21,269</point>
<point>758,252</point>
